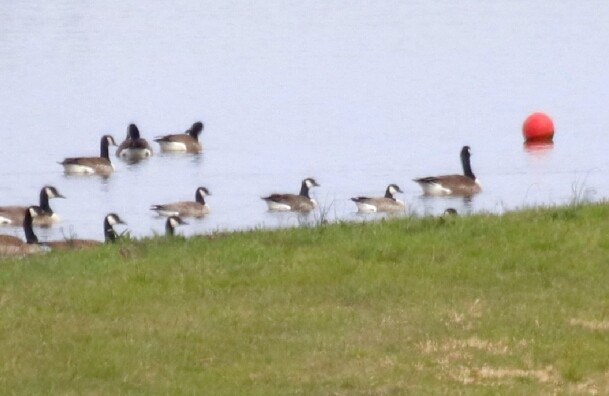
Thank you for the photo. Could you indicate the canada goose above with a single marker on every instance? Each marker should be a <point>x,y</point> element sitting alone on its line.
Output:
<point>109,235</point>
<point>12,246</point>
<point>134,147</point>
<point>92,165</point>
<point>196,208</point>
<point>182,142</point>
<point>292,202</point>
<point>14,215</point>
<point>381,204</point>
<point>450,212</point>
<point>171,224</point>
<point>465,184</point>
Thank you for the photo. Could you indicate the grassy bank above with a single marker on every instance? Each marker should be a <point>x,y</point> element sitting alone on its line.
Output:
<point>517,304</point>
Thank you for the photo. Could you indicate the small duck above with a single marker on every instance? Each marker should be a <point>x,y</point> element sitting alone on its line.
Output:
<point>381,204</point>
<point>14,215</point>
<point>196,208</point>
<point>182,142</point>
<point>464,185</point>
<point>292,202</point>
<point>134,147</point>
<point>92,165</point>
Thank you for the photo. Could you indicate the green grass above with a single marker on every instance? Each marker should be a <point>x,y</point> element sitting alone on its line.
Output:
<point>517,304</point>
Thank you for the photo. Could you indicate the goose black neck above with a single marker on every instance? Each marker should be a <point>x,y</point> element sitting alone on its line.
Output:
<point>193,134</point>
<point>168,228</point>
<point>103,149</point>
<point>109,233</point>
<point>44,202</point>
<point>304,189</point>
<point>195,130</point>
<point>200,198</point>
<point>467,168</point>
<point>134,132</point>
<point>388,194</point>
<point>30,237</point>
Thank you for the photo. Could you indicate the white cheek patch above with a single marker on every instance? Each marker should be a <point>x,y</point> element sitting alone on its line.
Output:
<point>5,220</point>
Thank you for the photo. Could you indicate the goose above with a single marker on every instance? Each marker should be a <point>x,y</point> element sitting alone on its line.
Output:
<point>182,142</point>
<point>465,184</point>
<point>292,202</point>
<point>450,212</point>
<point>92,165</point>
<point>134,147</point>
<point>171,224</point>
<point>110,236</point>
<point>381,204</point>
<point>14,215</point>
<point>196,208</point>
<point>12,246</point>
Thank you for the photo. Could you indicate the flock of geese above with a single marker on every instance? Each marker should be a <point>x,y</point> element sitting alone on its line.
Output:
<point>135,148</point>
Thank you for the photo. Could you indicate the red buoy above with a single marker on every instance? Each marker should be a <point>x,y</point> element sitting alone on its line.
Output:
<point>538,127</point>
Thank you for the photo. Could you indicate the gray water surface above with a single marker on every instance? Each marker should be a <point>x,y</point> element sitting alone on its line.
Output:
<point>356,94</point>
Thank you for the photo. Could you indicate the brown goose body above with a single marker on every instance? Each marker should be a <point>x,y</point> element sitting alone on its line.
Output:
<point>386,203</point>
<point>21,250</point>
<point>14,215</point>
<point>301,202</point>
<point>463,185</point>
<point>134,147</point>
<point>74,244</point>
<point>92,165</point>
<point>196,208</point>
<point>187,142</point>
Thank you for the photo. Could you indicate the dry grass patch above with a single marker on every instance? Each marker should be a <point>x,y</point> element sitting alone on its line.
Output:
<point>590,324</point>
<point>495,348</point>
<point>594,385</point>
<point>497,376</point>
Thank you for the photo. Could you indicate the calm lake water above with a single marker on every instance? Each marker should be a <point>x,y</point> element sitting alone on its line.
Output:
<point>357,94</point>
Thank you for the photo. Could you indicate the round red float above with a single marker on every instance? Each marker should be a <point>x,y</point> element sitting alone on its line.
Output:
<point>538,127</point>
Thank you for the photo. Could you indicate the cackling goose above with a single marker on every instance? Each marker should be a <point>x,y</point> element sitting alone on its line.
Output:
<point>73,243</point>
<point>196,208</point>
<point>182,142</point>
<point>292,202</point>
<point>171,224</point>
<point>134,147</point>
<point>465,184</point>
<point>13,246</point>
<point>14,215</point>
<point>381,204</point>
<point>92,165</point>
